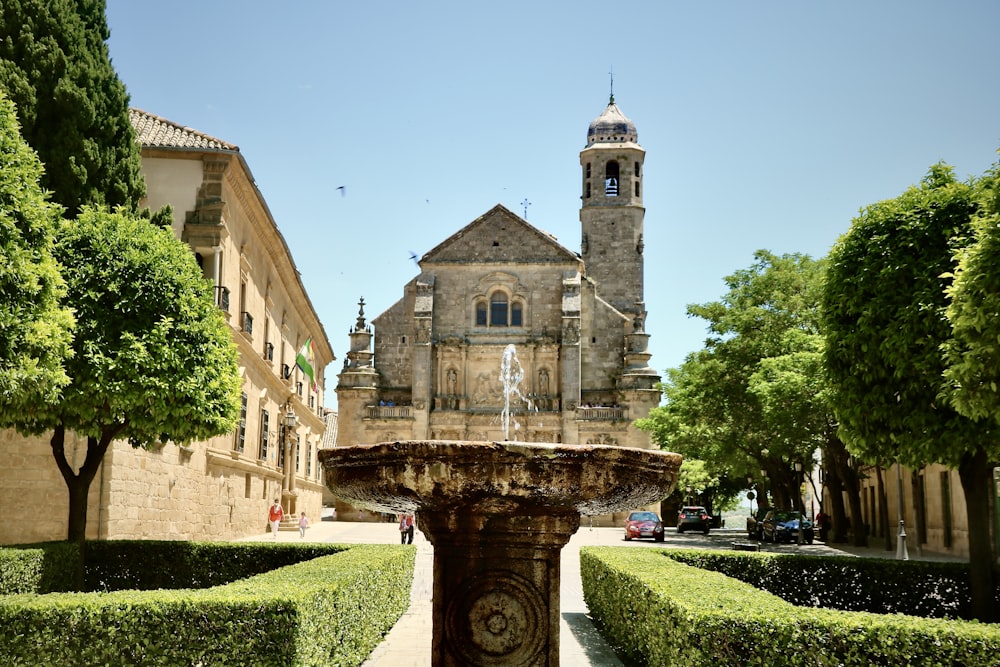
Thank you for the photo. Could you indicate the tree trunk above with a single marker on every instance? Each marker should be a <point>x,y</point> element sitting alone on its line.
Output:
<point>883,511</point>
<point>848,475</point>
<point>836,502</point>
<point>78,483</point>
<point>975,473</point>
<point>919,514</point>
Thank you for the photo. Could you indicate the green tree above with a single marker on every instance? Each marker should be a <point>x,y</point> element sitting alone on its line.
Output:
<point>35,329</point>
<point>73,109</point>
<point>711,410</point>
<point>973,352</point>
<point>154,360</point>
<point>794,394</point>
<point>884,310</point>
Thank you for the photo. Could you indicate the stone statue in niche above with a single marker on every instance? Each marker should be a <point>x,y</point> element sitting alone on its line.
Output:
<point>452,399</point>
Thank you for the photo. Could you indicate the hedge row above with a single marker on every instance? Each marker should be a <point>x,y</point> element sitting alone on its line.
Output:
<point>37,568</point>
<point>879,585</point>
<point>331,610</point>
<point>658,611</point>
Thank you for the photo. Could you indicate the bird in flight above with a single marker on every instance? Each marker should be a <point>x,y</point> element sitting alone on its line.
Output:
<point>413,256</point>
<point>343,190</point>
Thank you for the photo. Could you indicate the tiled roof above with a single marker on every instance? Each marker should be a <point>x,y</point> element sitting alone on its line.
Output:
<point>155,132</point>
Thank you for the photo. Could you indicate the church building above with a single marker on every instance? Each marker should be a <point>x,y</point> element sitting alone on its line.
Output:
<point>429,366</point>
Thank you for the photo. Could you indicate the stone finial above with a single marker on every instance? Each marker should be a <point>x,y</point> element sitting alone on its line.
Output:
<point>360,325</point>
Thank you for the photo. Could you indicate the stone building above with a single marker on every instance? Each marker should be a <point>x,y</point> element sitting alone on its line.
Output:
<point>429,366</point>
<point>220,488</point>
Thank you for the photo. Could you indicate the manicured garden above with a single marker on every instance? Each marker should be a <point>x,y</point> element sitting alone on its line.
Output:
<point>183,603</point>
<point>677,607</point>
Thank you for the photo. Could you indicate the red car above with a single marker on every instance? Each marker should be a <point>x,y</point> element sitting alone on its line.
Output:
<point>643,524</point>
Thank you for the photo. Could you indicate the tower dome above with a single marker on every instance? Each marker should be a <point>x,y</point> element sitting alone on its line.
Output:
<point>612,126</point>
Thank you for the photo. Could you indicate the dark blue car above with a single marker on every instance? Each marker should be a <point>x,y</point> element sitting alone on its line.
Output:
<point>783,526</point>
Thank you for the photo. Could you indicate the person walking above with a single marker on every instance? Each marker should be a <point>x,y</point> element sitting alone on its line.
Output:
<point>406,528</point>
<point>303,524</point>
<point>275,515</point>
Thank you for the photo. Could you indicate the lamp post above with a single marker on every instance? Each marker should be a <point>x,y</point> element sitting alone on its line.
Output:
<point>687,498</point>
<point>798,493</point>
<point>901,553</point>
<point>288,477</point>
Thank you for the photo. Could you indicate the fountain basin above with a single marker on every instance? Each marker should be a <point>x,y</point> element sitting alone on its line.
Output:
<point>498,514</point>
<point>498,477</point>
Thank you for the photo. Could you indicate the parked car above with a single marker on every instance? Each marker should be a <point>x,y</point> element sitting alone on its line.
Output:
<point>783,526</point>
<point>644,524</point>
<point>755,523</point>
<point>693,517</point>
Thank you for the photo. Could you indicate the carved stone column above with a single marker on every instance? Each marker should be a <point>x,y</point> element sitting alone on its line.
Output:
<point>496,585</point>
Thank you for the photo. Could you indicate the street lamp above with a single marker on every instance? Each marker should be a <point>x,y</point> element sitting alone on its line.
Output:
<point>798,493</point>
<point>901,553</point>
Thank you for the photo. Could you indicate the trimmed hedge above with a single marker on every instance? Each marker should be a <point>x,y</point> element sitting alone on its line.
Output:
<point>658,611</point>
<point>37,568</point>
<point>331,610</point>
<point>878,585</point>
<point>116,565</point>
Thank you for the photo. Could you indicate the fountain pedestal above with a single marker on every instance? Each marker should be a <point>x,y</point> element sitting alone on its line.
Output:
<point>498,515</point>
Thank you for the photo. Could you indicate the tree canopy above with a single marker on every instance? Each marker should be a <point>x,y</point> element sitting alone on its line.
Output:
<point>973,351</point>
<point>728,404</point>
<point>884,316</point>
<point>73,109</point>
<point>886,299</point>
<point>35,328</point>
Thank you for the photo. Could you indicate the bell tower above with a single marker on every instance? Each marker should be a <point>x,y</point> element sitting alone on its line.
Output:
<point>611,213</point>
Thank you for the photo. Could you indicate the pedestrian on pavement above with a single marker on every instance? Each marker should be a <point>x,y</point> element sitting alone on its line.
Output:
<point>406,528</point>
<point>275,515</point>
<point>303,524</point>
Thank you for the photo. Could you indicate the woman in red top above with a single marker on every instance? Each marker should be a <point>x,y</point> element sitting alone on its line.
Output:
<point>274,515</point>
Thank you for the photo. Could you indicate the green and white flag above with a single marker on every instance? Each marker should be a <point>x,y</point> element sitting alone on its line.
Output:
<point>302,361</point>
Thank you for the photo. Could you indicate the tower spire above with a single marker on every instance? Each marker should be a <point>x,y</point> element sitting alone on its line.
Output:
<point>612,74</point>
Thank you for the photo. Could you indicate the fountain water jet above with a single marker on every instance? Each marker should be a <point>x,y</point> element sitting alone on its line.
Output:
<point>498,514</point>
<point>511,374</point>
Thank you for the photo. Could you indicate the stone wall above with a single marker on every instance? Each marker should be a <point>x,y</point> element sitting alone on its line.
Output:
<point>168,493</point>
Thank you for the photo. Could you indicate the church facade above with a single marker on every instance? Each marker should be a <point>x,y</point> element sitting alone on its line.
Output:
<point>429,366</point>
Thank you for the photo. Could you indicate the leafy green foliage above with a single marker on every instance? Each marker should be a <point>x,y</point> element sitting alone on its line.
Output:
<point>332,610</point>
<point>153,356</point>
<point>55,66</point>
<point>973,351</point>
<point>878,585</point>
<point>754,397</point>
<point>35,329</point>
<point>884,312</point>
<point>660,612</point>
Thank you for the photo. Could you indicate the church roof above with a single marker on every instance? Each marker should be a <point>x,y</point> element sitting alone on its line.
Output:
<point>155,132</point>
<point>499,236</point>
<point>612,126</point>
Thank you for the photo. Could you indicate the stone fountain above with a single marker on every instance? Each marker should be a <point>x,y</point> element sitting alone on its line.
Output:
<point>497,514</point>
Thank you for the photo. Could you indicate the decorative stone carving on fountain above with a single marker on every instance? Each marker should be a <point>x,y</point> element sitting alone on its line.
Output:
<point>498,514</point>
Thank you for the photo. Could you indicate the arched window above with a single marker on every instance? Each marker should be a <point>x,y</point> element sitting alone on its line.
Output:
<point>498,310</point>
<point>611,179</point>
<point>501,311</point>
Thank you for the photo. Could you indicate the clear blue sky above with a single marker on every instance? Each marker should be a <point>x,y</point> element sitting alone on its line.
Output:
<point>766,124</point>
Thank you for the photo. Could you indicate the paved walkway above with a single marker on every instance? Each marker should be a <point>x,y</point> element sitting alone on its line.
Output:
<point>408,644</point>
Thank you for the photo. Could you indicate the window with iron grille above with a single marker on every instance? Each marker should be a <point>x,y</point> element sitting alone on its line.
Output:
<point>265,424</point>
<point>241,428</point>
